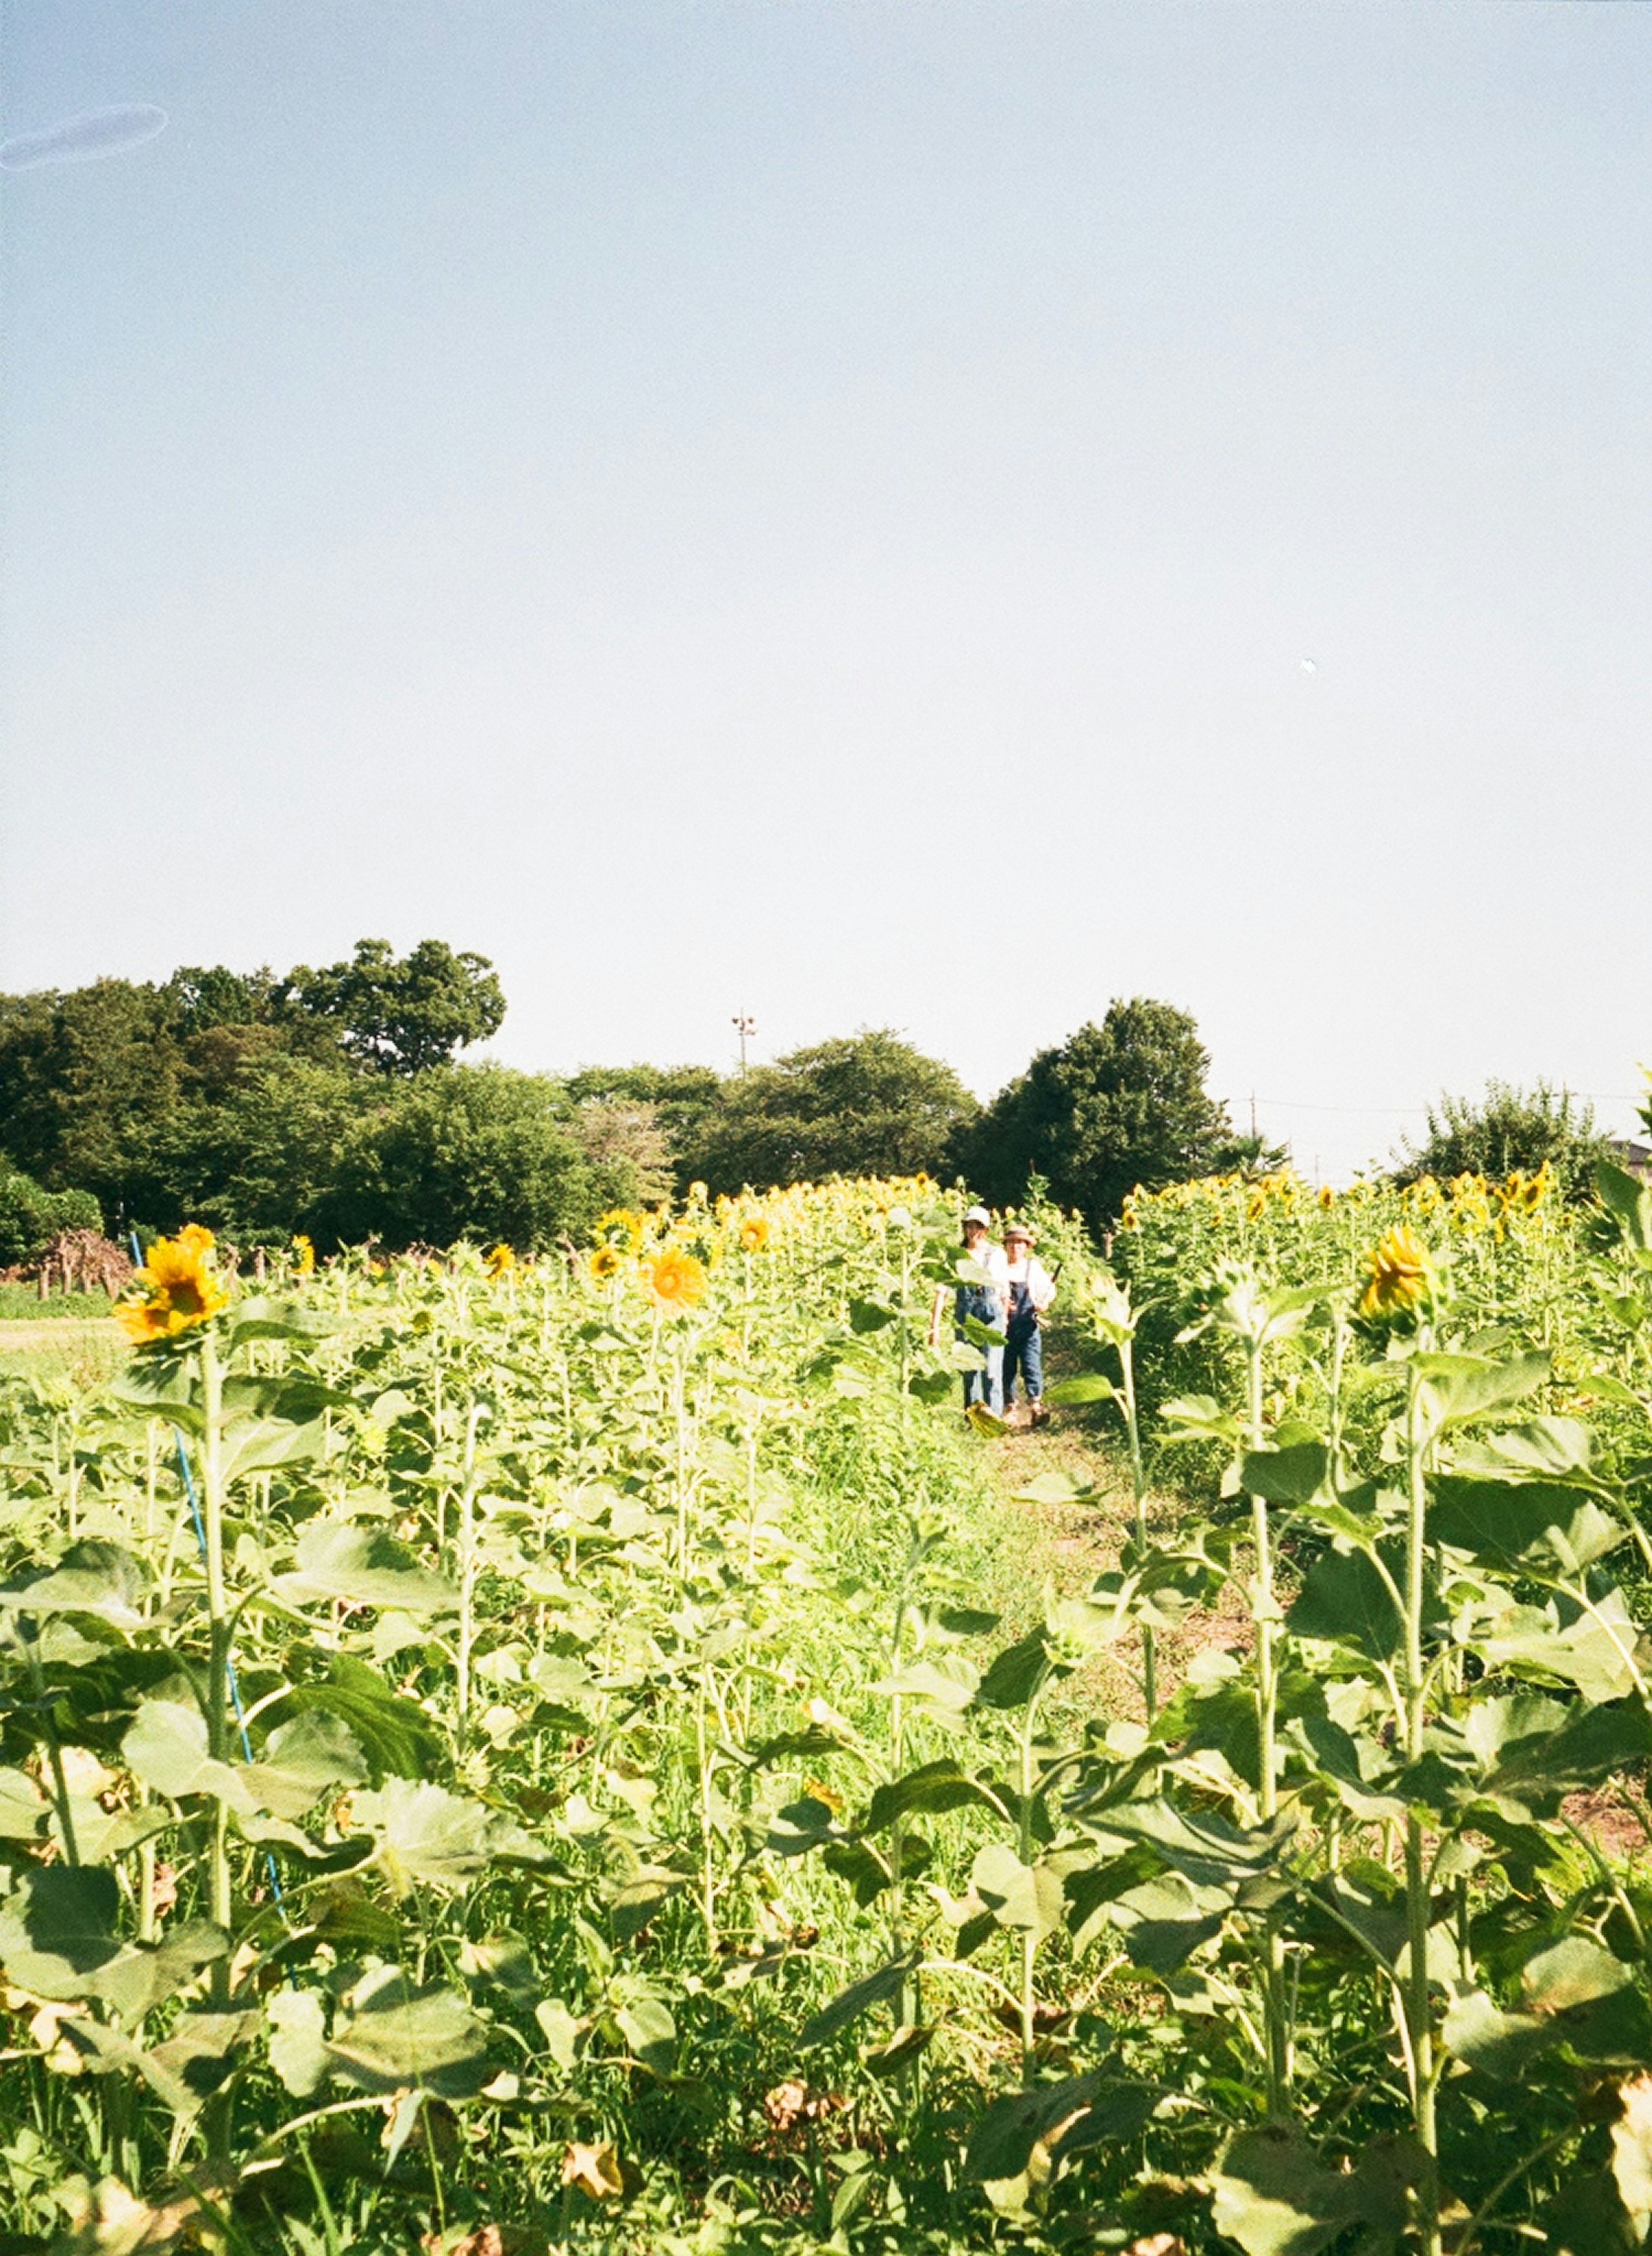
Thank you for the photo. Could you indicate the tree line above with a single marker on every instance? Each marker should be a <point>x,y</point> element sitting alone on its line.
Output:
<point>335,1103</point>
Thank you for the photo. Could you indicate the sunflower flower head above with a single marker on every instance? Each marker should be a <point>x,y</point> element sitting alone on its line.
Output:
<point>1327,1198</point>
<point>754,1234</point>
<point>303,1256</point>
<point>620,1228</point>
<point>174,1289</point>
<point>499,1260</point>
<point>605,1263</point>
<point>675,1280</point>
<point>1403,1281</point>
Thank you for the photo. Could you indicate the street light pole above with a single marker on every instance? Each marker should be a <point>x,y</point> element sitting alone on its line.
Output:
<point>745,1026</point>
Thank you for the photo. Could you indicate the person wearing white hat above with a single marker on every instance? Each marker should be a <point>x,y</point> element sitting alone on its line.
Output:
<point>1029,1289</point>
<point>983,1292</point>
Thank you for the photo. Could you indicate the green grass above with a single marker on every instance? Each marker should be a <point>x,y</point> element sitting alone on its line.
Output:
<point>22,1303</point>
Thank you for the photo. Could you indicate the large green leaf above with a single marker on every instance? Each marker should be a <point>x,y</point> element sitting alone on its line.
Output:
<point>1595,1651</point>
<point>390,2036</point>
<point>1017,1673</point>
<point>1077,2112</point>
<point>1288,1476</point>
<point>92,1578</point>
<point>1537,1525</point>
<point>1083,1387</point>
<point>1457,1388</point>
<point>1275,2198</point>
<point>1057,1488</point>
<point>1026,1898</point>
<point>847,2006</point>
<point>1629,1202</point>
<point>1165,1919</point>
<point>198,2050</point>
<point>394,1734</point>
<point>649,2032</point>
<point>166,1747</point>
<point>1542,1751</point>
<point>143,1975</point>
<point>937,1786</point>
<point>24,1809</point>
<point>302,1759</point>
<point>1545,1448</point>
<point>1200,1844</point>
<point>56,1930</point>
<point>424,1836</point>
<point>362,1567</point>
<point>1344,1600</point>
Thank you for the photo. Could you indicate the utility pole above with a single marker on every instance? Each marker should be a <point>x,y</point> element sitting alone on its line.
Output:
<point>1252,1115</point>
<point>745,1026</point>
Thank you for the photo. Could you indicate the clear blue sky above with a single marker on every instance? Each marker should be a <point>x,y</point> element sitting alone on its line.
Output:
<point>823,508</point>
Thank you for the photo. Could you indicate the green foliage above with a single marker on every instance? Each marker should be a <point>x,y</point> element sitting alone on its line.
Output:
<point>475,1152</point>
<point>680,1097</point>
<point>869,1103</point>
<point>674,1855</point>
<point>90,1083</point>
<point>30,1217</point>
<point>400,1015</point>
<point>1507,1130</point>
<point>1120,1104</point>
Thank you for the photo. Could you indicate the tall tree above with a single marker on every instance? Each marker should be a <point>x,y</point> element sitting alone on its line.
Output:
<point>1506,1129</point>
<point>89,1087</point>
<point>1119,1104</point>
<point>465,1151</point>
<point>868,1104</point>
<point>651,1114</point>
<point>400,1015</point>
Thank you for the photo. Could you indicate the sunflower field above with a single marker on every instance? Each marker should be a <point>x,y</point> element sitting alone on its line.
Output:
<point>505,1757</point>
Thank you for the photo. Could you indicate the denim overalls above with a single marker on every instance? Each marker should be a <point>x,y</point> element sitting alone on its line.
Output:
<point>987,1386</point>
<point>1023,1344</point>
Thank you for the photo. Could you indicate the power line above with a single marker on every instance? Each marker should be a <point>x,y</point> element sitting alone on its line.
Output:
<point>1295,1105</point>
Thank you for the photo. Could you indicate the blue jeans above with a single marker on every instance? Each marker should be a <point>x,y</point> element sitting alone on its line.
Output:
<point>1023,1349</point>
<point>987,1386</point>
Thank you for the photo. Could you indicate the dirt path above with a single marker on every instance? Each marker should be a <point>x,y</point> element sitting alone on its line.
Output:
<point>55,1331</point>
<point>1062,1546</point>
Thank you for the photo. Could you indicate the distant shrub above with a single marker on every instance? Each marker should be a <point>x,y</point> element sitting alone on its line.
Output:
<point>30,1217</point>
<point>1509,1128</point>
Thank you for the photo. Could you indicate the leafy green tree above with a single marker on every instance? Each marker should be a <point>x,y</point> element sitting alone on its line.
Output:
<point>30,1217</point>
<point>1121,1104</point>
<point>867,1103</point>
<point>1506,1129</point>
<point>652,1115</point>
<point>89,1089</point>
<point>476,1151</point>
<point>258,1160</point>
<point>400,1015</point>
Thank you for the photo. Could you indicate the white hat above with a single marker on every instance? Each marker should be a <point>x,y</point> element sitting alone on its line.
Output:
<point>1017,1230</point>
<point>980,1214</point>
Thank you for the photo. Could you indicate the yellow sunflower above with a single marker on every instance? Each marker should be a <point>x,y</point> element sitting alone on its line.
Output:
<point>303,1255</point>
<point>620,1227</point>
<point>1400,1279</point>
<point>754,1234</point>
<point>174,1289</point>
<point>675,1280</point>
<point>604,1263</point>
<point>500,1260</point>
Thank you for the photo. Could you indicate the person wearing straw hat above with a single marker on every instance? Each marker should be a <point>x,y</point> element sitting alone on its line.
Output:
<point>983,1292</point>
<point>1029,1290</point>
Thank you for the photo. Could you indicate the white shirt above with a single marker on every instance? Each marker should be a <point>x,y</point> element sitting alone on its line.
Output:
<point>1031,1272</point>
<point>993,1260</point>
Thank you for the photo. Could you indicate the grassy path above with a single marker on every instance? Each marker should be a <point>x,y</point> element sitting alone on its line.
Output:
<point>1060,1549</point>
<point>85,1348</point>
